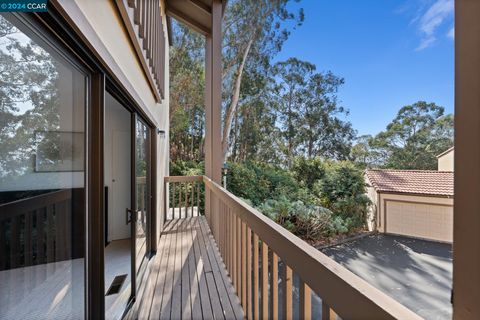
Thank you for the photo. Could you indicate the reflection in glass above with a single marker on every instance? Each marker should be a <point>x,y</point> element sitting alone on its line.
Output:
<point>141,176</point>
<point>42,189</point>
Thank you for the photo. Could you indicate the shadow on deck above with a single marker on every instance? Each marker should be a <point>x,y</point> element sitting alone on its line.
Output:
<point>188,278</point>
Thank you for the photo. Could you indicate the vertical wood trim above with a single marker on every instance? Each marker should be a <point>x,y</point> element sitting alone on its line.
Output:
<point>153,183</point>
<point>95,201</point>
<point>213,96</point>
<point>466,238</point>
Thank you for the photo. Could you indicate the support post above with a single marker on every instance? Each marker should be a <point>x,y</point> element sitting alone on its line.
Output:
<point>213,101</point>
<point>466,245</point>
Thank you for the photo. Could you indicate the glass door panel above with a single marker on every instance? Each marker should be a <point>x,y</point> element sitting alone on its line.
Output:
<point>142,199</point>
<point>43,102</point>
<point>119,275</point>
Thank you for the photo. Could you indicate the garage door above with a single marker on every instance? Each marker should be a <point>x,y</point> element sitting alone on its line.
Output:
<point>427,221</point>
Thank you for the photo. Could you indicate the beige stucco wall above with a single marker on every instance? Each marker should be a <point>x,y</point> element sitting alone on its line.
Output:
<point>105,19</point>
<point>421,213</point>
<point>446,161</point>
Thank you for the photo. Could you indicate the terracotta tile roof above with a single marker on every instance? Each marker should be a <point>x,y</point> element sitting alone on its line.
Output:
<point>427,182</point>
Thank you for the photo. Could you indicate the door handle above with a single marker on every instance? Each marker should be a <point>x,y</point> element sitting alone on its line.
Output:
<point>129,213</point>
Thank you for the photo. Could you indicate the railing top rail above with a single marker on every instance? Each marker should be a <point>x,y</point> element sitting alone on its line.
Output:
<point>21,206</point>
<point>349,295</point>
<point>183,178</point>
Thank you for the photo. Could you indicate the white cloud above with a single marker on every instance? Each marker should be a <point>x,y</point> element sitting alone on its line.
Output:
<point>436,14</point>
<point>451,33</point>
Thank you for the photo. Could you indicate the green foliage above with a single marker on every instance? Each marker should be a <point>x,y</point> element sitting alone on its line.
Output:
<point>309,222</point>
<point>343,191</point>
<point>187,83</point>
<point>412,140</point>
<point>186,168</point>
<point>316,199</point>
<point>259,182</point>
<point>308,170</point>
<point>308,112</point>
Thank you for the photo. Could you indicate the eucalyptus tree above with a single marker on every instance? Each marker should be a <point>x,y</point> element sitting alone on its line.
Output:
<point>187,78</point>
<point>415,137</point>
<point>254,31</point>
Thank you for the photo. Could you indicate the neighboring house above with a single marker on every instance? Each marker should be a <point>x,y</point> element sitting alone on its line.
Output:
<point>84,186</point>
<point>414,203</point>
<point>446,160</point>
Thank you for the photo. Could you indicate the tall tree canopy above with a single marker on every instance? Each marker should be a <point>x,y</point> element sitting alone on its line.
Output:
<point>187,85</point>
<point>309,115</point>
<point>412,140</point>
<point>254,31</point>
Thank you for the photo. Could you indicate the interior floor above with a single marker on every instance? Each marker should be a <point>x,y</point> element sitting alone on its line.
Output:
<point>117,262</point>
<point>44,291</point>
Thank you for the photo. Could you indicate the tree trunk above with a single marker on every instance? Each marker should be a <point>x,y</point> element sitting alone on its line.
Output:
<point>234,102</point>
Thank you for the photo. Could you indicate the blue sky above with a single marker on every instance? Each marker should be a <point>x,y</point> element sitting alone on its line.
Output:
<point>391,53</point>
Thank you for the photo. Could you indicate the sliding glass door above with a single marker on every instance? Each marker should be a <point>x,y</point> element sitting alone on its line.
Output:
<point>142,191</point>
<point>43,108</point>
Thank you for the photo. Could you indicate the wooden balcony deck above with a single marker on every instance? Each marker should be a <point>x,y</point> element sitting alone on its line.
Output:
<point>188,278</point>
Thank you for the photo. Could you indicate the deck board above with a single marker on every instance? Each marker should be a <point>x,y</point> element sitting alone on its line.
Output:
<point>189,279</point>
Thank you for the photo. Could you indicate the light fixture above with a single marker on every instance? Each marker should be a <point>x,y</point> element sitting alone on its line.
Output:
<point>161,133</point>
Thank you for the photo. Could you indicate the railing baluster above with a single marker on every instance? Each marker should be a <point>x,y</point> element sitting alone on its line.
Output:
<point>264,280</point>
<point>235,252</point>
<point>198,198</point>
<point>137,12</point>
<point>173,200</point>
<point>256,297</point>
<point>40,226</point>
<point>305,301</point>
<point>60,212</point>
<point>186,200</point>
<point>14,241</point>
<point>3,247</point>
<point>287,292</point>
<point>27,236</point>
<point>249,273</point>
<point>274,286</point>
<point>327,312</point>
<point>244,268</point>
<point>180,200</point>
<point>193,196</point>
<point>50,234</point>
<point>239,258</point>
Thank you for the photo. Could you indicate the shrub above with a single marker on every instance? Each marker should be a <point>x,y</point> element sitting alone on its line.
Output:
<point>308,171</point>
<point>259,182</point>
<point>186,168</point>
<point>309,222</point>
<point>342,190</point>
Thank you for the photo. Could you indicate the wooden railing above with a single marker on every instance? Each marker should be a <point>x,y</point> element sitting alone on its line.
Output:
<point>263,259</point>
<point>184,195</point>
<point>37,230</point>
<point>143,21</point>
